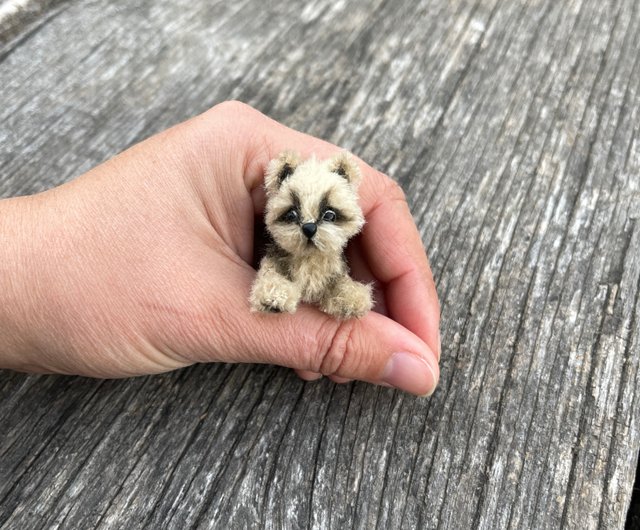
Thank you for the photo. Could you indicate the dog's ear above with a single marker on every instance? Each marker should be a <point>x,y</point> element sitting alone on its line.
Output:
<point>344,165</point>
<point>279,169</point>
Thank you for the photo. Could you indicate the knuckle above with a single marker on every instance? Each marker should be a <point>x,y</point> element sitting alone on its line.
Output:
<point>394,191</point>
<point>387,190</point>
<point>234,109</point>
<point>241,128</point>
<point>335,342</point>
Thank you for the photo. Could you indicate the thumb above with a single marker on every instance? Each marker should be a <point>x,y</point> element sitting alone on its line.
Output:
<point>375,348</point>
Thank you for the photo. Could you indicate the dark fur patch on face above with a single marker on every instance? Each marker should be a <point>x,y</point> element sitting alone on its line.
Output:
<point>325,205</point>
<point>295,200</point>
<point>341,170</point>
<point>284,173</point>
<point>340,217</point>
<point>291,215</point>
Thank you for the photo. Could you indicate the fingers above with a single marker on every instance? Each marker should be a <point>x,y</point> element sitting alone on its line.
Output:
<point>314,376</point>
<point>308,375</point>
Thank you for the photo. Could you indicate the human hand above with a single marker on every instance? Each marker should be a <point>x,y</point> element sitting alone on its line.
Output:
<point>142,265</point>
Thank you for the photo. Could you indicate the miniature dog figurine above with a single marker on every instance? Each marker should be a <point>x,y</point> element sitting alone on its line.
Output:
<point>312,211</point>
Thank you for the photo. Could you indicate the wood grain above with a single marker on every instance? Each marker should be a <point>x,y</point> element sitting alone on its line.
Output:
<point>514,129</point>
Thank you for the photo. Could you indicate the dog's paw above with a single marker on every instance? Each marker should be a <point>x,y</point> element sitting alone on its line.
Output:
<point>349,300</point>
<point>270,298</point>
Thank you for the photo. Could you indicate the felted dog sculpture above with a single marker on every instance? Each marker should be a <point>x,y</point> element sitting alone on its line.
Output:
<point>311,212</point>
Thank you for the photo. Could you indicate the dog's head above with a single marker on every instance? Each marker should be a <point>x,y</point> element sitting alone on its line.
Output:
<point>312,206</point>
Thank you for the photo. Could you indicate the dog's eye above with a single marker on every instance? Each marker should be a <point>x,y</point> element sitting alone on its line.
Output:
<point>291,216</point>
<point>329,216</point>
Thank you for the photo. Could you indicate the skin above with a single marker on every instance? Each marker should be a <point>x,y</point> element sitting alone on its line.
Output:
<point>142,265</point>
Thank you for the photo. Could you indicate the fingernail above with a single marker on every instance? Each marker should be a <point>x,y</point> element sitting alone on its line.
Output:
<point>410,373</point>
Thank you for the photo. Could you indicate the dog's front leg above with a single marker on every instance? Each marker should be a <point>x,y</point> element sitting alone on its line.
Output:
<point>346,298</point>
<point>271,291</point>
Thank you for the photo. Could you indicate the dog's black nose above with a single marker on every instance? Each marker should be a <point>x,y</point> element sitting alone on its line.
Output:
<point>309,229</point>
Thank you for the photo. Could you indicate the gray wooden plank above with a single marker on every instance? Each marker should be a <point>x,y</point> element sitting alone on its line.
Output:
<point>513,127</point>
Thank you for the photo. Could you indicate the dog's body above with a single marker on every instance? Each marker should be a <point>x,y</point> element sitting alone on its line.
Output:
<point>312,211</point>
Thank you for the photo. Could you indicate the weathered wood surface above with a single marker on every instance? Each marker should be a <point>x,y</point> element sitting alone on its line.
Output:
<point>513,127</point>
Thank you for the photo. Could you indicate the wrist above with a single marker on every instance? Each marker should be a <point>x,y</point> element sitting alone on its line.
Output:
<point>17,258</point>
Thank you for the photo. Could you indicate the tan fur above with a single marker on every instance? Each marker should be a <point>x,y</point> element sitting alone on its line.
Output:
<point>311,270</point>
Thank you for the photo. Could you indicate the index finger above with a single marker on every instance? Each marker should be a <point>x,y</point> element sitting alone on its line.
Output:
<point>393,248</point>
